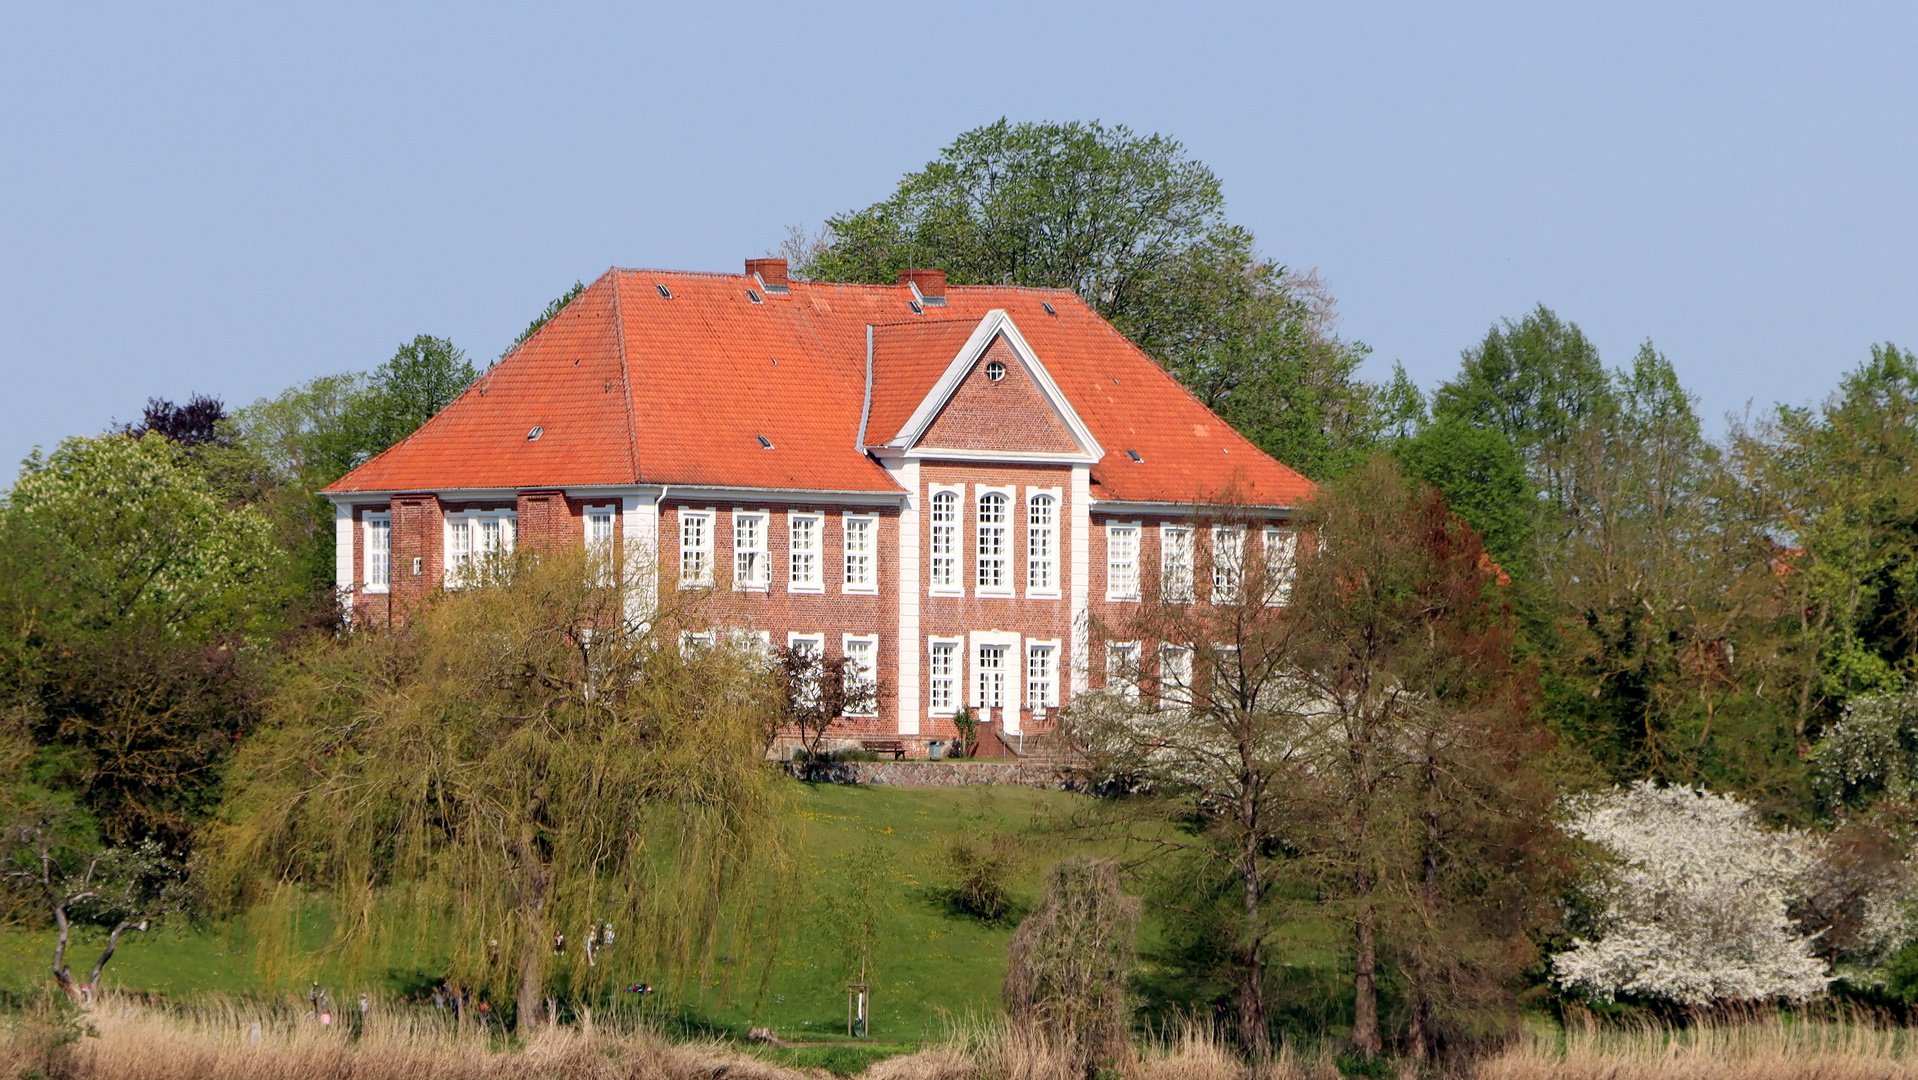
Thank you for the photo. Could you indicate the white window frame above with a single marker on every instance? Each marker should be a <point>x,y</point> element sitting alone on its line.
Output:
<point>871,553</point>
<point>457,567</point>
<point>1123,585</point>
<point>867,672</point>
<point>1001,651</point>
<point>954,535</point>
<point>601,551</point>
<point>754,574</point>
<point>1048,534</point>
<point>1048,698</point>
<point>954,680</point>
<point>1280,549</point>
<point>1175,575</point>
<point>1004,532</point>
<point>370,526</point>
<point>814,643</point>
<point>1175,660</point>
<point>699,576</point>
<point>692,640</point>
<point>1228,563</point>
<point>1122,668</point>
<point>796,579</point>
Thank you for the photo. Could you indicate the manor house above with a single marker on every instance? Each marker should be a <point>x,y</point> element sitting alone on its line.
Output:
<point>947,484</point>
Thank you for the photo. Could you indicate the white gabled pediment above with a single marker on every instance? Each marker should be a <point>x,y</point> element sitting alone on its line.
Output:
<point>996,325</point>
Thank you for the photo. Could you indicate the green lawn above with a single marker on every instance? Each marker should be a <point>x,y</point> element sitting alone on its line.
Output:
<point>930,962</point>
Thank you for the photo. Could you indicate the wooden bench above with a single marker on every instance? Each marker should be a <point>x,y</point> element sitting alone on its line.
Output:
<point>884,746</point>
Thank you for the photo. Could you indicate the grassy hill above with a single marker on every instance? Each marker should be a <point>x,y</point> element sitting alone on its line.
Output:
<point>930,961</point>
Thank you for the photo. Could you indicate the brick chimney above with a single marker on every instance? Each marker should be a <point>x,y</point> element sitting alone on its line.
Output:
<point>932,283</point>
<point>770,272</point>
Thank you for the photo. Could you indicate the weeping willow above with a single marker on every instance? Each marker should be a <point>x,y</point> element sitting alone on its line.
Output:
<point>552,797</point>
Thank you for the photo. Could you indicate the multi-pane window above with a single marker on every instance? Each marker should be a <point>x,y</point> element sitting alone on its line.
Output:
<point>992,541</point>
<point>749,551</point>
<point>1041,541</point>
<point>991,666</point>
<point>1175,676</point>
<point>1041,676</point>
<point>459,550</point>
<point>813,645</point>
<point>599,545</point>
<point>1228,562</point>
<point>379,552</point>
<point>1122,561</point>
<point>859,553</point>
<point>1281,564</point>
<point>862,665</point>
<point>803,546</point>
<point>944,670</point>
<point>695,547</point>
<point>1175,562</point>
<point>471,540</point>
<point>945,540</point>
<point>1122,668</point>
<point>495,536</point>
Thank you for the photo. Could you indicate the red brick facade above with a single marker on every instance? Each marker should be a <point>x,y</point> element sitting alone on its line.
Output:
<point>986,501</point>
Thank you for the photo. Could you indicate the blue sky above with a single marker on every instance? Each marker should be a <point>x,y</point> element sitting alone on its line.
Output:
<point>234,199</point>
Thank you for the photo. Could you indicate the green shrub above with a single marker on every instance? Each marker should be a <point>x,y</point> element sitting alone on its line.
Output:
<point>979,874</point>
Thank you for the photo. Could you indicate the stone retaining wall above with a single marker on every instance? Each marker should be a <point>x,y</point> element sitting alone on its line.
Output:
<point>943,773</point>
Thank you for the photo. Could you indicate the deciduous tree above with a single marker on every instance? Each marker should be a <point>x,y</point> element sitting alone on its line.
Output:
<point>521,764</point>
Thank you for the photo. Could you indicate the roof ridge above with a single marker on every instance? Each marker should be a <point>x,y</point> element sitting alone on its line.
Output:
<point>955,320</point>
<point>625,376</point>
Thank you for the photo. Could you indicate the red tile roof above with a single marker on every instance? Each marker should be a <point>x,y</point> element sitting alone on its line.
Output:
<point>629,386</point>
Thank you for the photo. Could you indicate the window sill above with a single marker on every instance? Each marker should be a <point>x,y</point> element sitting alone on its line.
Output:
<point>811,589</point>
<point>1042,594</point>
<point>1007,594</point>
<point>376,590</point>
<point>1129,598</point>
<point>944,590</point>
<point>737,587</point>
<point>863,590</point>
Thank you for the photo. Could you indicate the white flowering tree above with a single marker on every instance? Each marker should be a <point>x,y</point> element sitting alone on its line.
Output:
<point>1694,905</point>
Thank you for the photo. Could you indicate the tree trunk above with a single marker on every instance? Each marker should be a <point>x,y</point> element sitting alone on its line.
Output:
<point>1365,1007</point>
<point>61,974</point>
<point>529,1001</point>
<point>113,942</point>
<point>1251,961</point>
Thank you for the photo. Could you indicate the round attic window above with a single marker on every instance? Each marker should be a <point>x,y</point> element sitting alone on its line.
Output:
<point>995,371</point>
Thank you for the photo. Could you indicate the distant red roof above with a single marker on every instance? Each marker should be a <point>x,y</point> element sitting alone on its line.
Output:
<point>667,377</point>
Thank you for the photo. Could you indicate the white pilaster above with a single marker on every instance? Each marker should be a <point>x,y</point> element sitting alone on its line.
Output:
<point>639,540</point>
<point>1081,576</point>
<point>910,583</point>
<point>343,555</point>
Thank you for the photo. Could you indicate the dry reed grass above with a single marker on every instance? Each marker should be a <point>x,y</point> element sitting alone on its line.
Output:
<point>235,1041</point>
<point>268,1041</point>
<point>1841,1045</point>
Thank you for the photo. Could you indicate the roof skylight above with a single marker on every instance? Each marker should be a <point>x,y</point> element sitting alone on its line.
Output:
<point>664,292</point>
<point>1134,455</point>
<point>764,442</point>
<point>754,297</point>
<point>533,435</point>
<point>1047,304</point>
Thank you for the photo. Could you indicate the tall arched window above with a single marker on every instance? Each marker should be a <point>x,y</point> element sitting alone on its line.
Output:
<point>1040,544</point>
<point>945,539</point>
<point>992,541</point>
